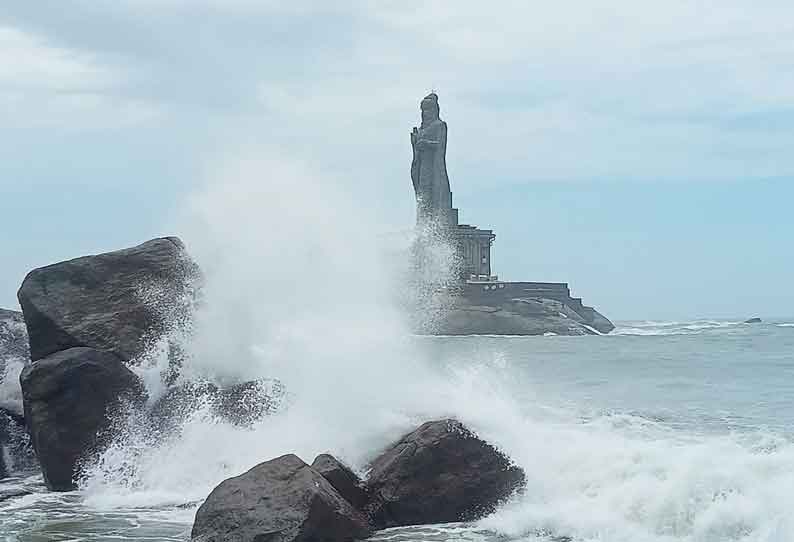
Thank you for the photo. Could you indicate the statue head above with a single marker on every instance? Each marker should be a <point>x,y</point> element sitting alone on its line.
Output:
<point>429,107</point>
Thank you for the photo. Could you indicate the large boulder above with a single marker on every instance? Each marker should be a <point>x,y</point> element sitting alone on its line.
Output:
<point>282,500</point>
<point>70,401</point>
<point>439,473</point>
<point>120,302</point>
<point>343,479</point>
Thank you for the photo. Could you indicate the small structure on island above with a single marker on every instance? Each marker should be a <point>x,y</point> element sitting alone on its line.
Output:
<point>481,304</point>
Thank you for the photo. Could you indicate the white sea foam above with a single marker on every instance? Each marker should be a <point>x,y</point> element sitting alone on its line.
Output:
<point>651,328</point>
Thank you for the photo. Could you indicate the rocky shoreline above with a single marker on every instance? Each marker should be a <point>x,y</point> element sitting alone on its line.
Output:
<point>518,316</point>
<point>87,324</point>
<point>439,473</point>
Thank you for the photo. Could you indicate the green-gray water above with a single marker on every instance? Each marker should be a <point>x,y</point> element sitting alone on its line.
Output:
<point>661,432</point>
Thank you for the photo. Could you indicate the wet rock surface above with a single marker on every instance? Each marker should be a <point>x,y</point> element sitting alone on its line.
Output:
<point>343,479</point>
<point>281,500</point>
<point>439,473</point>
<point>120,302</point>
<point>70,400</point>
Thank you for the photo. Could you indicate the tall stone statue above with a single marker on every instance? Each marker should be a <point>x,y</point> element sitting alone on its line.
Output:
<point>429,168</point>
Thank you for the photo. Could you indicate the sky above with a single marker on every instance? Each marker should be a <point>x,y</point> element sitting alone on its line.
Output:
<point>640,151</point>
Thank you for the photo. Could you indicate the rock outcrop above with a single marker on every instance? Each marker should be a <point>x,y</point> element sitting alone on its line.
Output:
<point>520,316</point>
<point>439,473</point>
<point>343,479</point>
<point>600,323</point>
<point>70,398</point>
<point>282,500</point>
<point>120,302</point>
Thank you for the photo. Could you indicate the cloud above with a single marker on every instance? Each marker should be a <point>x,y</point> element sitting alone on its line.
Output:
<point>531,90</point>
<point>45,84</point>
<point>29,63</point>
<point>120,105</point>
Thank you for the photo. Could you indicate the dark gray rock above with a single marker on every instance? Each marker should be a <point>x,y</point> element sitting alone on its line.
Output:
<point>281,500</point>
<point>439,473</point>
<point>16,452</point>
<point>70,401</point>
<point>755,320</point>
<point>343,479</point>
<point>517,316</point>
<point>120,302</point>
<point>520,317</point>
<point>241,404</point>
<point>600,323</point>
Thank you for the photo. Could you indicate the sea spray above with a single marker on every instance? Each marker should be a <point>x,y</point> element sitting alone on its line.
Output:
<point>296,290</point>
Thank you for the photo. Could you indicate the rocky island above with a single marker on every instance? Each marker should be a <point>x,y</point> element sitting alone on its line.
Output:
<point>475,301</point>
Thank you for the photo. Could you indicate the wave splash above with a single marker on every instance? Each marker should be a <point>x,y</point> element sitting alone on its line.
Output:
<point>297,289</point>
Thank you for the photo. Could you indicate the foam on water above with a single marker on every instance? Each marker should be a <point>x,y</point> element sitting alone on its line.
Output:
<point>650,328</point>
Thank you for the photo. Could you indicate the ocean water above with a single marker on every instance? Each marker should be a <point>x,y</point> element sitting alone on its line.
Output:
<point>659,432</point>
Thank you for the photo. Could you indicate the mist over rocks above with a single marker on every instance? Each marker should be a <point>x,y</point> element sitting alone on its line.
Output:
<point>16,452</point>
<point>121,302</point>
<point>239,404</point>
<point>281,500</point>
<point>71,398</point>
<point>13,337</point>
<point>439,473</point>
<point>14,354</point>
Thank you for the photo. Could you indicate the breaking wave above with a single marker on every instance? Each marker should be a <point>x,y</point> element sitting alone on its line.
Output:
<point>297,290</point>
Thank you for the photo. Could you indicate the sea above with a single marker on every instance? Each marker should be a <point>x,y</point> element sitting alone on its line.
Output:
<point>657,432</point>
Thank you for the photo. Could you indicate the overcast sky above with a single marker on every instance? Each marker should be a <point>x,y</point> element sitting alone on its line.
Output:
<point>641,151</point>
